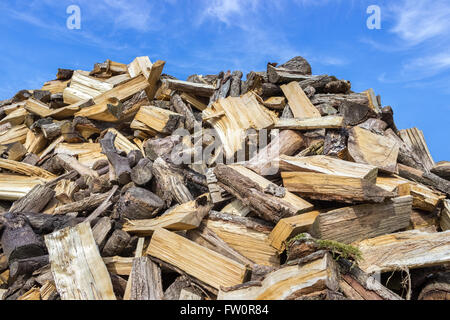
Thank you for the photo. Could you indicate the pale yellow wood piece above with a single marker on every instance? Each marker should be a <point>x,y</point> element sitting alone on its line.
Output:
<point>300,104</point>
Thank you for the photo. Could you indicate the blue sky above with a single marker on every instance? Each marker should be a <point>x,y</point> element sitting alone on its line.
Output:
<point>407,62</point>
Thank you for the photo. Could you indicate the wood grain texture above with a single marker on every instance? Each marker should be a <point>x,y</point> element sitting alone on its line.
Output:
<point>78,269</point>
<point>300,105</point>
<point>305,124</point>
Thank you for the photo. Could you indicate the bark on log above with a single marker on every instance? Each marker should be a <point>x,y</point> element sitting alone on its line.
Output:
<point>120,164</point>
<point>146,282</point>
<point>35,201</point>
<point>138,203</point>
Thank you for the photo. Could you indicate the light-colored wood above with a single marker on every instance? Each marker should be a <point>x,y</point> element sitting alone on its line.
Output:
<point>277,103</point>
<point>304,124</point>
<point>204,264</point>
<point>252,244</point>
<point>364,221</point>
<point>329,165</point>
<point>398,186</point>
<point>26,169</point>
<point>185,216</point>
<point>15,134</point>
<point>329,187</point>
<point>78,270</point>
<point>76,149</point>
<point>13,187</point>
<point>192,100</point>
<point>64,191</point>
<point>290,282</point>
<point>32,294</point>
<point>68,111</point>
<point>373,101</point>
<point>55,86</point>
<point>35,142</point>
<point>445,216</point>
<point>409,249</point>
<point>109,110</point>
<point>15,118</point>
<point>370,148</point>
<point>415,139</point>
<point>38,108</point>
<point>83,87</point>
<point>119,265</point>
<point>157,119</point>
<point>290,227</point>
<point>2,292</point>
<point>199,89</point>
<point>235,116</point>
<point>424,198</point>
<point>188,295</point>
<point>70,163</point>
<point>153,79</point>
<point>48,290</point>
<point>300,104</point>
<point>140,65</point>
<point>236,207</point>
<point>51,147</point>
<point>124,90</point>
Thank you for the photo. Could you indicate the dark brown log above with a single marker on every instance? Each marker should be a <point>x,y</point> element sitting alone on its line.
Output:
<point>270,90</point>
<point>138,203</point>
<point>64,74</point>
<point>45,223</point>
<point>34,201</point>
<point>120,164</point>
<point>185,110</point>
<point>19,240</point>
<point>142,173</point>
<point>283,75</point>
<point>442,169</point>
<point>146,282</point>
<point>298,64</point>
<point>387,116</point>
<point>116,243</point>
<point>437,289</point>
<point>155,148</point>
<point>119,285</point>
<point>336,143</point>
<point>101,231</point>
<point>87,203</point>
<point>181,283</point>
<point>26,266</point>
<point>104,206</point>
<point>235,88</point>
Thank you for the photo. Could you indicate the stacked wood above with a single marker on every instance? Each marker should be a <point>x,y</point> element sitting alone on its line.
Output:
<point>124,183</point>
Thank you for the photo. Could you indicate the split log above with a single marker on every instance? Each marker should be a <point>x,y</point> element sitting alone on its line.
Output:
<point>101,231</point>
<point>170,184</point>
<point>288,228</point>
<point>442,169</point>
<point>146,282</point>
<point>70,163</point>
<point>185,216</point>
<point>289,282</point>
<point>185,110</point>
<point>48,291</point>
<point>364,221</point>
<point>119,265</point>
<point>138,203</point>
<point>64,191</point>
<point>250,188</point>
<point>330,166</point>
<point>35,201</point>
<point>19,240</point>
<point>88,203</point>
<point>445,216</point>
<point>116,243</point>
<point>300,105</point>
<point>357,285</point>
<point>155,120</point>
<point>398,186</point>
<point>194,101</point>
<point>287,142</point>
<point>426,178</point>
<point>141,174</point>
<point>174,291</point>
<point>26,266</point>
<point>415,139</point>
<point>25,169</point>
<point>331,187</point>
<point>367,147</point>
<point>15,187</point>
<point>236,207</point>
<point>197,89</point>
<point>328,122</point>
<point>282,75</point>
<point>73,255</point>
<point>206,265</point>
<point>409,249</point>
<point>425,198</point>
<point>122,170</point>
<point>47,223</point>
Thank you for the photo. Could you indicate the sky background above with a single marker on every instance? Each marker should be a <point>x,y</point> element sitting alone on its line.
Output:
<point>407,62</point>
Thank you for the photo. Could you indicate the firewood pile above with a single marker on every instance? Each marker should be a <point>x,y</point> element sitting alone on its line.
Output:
<point>126,183</point>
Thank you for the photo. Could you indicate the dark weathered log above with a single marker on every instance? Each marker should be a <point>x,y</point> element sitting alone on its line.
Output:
<point>173,292</point>
<point>336,143</point>
<point>170,183</point>
<point>387,116</point>
<point>138,203</point>
<point>120,164</point>
<point>146,282</point>
<point>142,174</point>
<point>438,288</point>
<point>203,90</point>
<point>235,88</point>
<point>155,148</point>
<point>298,64</point>
<point>87,203</point>
<point>101,231</point>
<point>45,223</point>
<point>64,74</point>
<point>442,169</point>
<point>19,240</point>
<point>34,201</point>
<point>116,243</point>
<point>426,178</point>
<point>134,156</point>
<point>26,266</point>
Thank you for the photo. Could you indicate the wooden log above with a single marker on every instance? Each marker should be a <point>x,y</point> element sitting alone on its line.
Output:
<point>35,201</point>
<point>116,243</point>
<point>170,183</point>
<point>289,282</point>
<point>252,244</point>
<point>392,184</point>
<point>369,148</point>
<point>110,110</point>
<point>197,89</point>
<point>185,216</point>
<point>197,261</point>
<point>424,198</point>
<point>185,110</point>
<point>122,170</point>
<point>119,265</point>
<point>174,291</point>
<point>415,139</point>
<point>139,203</point>
<point>25,169</point>
<point>409,249</point>
<point>426,178</point>
<point>194,101</point>
<point>70,163</point>
<point>300,105</point>
<point>14,187</point>
<point>19,240</point>
<point>437,288</point>
<point>26,266</point>
<point>330,187</point>
<point>328,122</point>
<point>249,187</point>
<point>101,231</point>
<point>87,203</point>
<point>445,216</point>
<point>422,220</point>
<point>357,285</point>
<point>236,207</point>
<point>125,90</point>
<point>283,75</point>
<point>73,255</point>
<point>288,228</point>
<point>146,282</point>
<point>157,119</point>
<point>65,190</point>
<point>141,174</point>
<point>364,221</point>
<point>43,223</point>
<point>442,169</point>
<point>330,166</point>
<point>15,134</point>
<point>48,291</point>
